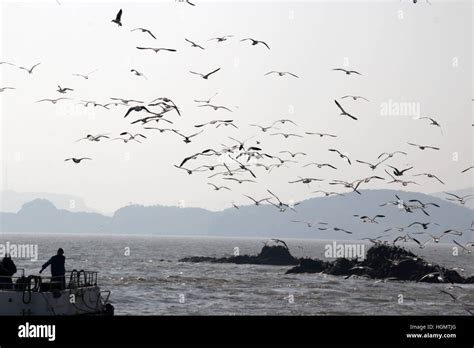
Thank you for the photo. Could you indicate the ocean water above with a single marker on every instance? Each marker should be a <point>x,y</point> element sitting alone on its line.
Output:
<point>150,280</point>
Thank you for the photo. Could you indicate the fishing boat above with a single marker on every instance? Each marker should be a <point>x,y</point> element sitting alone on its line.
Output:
<point>42,296</point>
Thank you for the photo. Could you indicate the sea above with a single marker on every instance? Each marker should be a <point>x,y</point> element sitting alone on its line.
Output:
<point>145,277</point>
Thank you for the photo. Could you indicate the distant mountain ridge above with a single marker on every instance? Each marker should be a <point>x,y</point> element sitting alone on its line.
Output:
<point>12,201</point>
<point>41,215</point>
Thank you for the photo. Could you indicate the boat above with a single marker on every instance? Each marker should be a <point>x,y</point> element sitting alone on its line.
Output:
<point>42,296</point>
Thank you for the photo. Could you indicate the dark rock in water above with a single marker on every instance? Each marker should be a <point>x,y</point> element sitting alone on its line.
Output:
<point>385,261</point>
<point>381,261</point>
<point>277,255</point>
<point>310,266</point>
<point>342,266</point>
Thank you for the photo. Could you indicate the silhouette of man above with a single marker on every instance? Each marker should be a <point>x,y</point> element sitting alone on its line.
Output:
<point>7,269</point>
<point>57,268</point>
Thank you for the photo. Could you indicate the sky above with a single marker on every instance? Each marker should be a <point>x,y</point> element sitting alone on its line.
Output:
<point>416,56</point>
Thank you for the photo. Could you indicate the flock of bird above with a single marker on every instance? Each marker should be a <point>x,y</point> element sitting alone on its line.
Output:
<point>241,161</point>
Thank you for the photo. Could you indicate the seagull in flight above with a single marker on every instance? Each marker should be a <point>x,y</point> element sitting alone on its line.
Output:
<point>240,181</point>
<point>294,154</point>
<point>256,42</point>
<point>30,70</point>
<point>157,49</point>
<point>283,121</point>
<point>368,219</point>
<point>164,103</point>
<point>215,107</point>
<point>342,230</point>
<point>287,135</point>
<point>279,241</point>
<point>137,73</point>
<point>257,202</point>
<point>421,246</point>
<point>348,72</point>
<point>304,180</point>
<point>217,188</point>
<point>221,39</point>
<point>320,165</point>
<point>281,73</point>
<point>118,18</point>
<point>53,101</point>
<point>3,89</point>
<point>391,154</point>
<point>460,199</point>
<point>139,108</point>
<point>91,137</point>
<point>372,166</point>
<point>207,152</point>
<point>464,247</point>
<point>398,172</point>
<point>437,239</point>
<point>193,44</point>
<point>189,171</point>
<point>355,97</point>
<point>343,112</point>
<point>143,30</point>
<point>243,167</point>
<point>161,130</point>
<point>126,101</point>
<point>327,194</point>
<point>64,90</point>
<point>394,180</point>
<point>422,224</point>
<point>353,185</point>
<point>219,122</point>
<point>205,76</point>
<point>133,136</point>
<point>344,157</point>
<point>282,206</point>
<point>322,134</point>
<point>241,143</point>
<point>187,139</point>
<point>86,77</point>
<point>207,101</point>
<point>429,175</point>
<point>465,170</point>
<point>423,147</point>
<point>157,118</point>
<point>433,122</point>
<point>427,1</point>
<point>125,140</point>
<point>263,129</point>
<point>77,160</point>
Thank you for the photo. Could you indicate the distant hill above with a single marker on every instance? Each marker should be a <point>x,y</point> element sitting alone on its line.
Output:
<point>40,215</point>
<point>12,201</point>
<point>264,221</point>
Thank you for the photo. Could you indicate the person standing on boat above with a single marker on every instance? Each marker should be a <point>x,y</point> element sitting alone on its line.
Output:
<point>7,269</point>
<point>58,270</point>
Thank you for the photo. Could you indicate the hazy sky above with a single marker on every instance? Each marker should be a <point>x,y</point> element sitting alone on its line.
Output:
<point>407,53</point>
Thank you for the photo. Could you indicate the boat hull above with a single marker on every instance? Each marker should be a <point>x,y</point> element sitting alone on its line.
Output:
<point>79,301</point>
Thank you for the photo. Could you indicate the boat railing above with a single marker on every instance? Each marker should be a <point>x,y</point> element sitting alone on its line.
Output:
<point>33,283</point>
